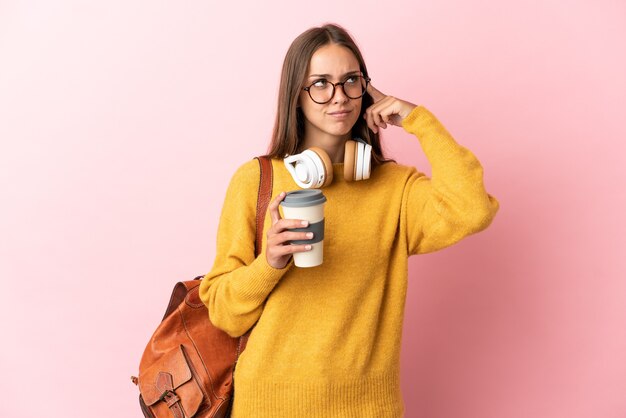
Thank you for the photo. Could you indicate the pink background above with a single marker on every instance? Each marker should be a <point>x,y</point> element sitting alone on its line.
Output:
<point>121,123</point>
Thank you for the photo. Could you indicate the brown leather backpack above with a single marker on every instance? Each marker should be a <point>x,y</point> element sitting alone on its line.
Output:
<point>187,367</point>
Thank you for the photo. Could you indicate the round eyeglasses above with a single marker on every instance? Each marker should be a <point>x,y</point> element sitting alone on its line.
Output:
<point>322,91</point>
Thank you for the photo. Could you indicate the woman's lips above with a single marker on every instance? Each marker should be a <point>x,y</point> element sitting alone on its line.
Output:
<point>340,114</point>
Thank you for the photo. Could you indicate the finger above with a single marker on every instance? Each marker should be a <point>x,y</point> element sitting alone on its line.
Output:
<point>375,122</point>
<point>375,93</point>
<point>292,224</point>
<point>286,224</point>
<point>293,248</point>
<point>385,114</point>
<point>370,122</point>
<point>375,113</point>
<point>369,118</point>
<point>285,238</point>
<point>377,118</point>
<point>273,208</point>
<point>399,109</point>
<point>288,236</point>
<point>389,113</point>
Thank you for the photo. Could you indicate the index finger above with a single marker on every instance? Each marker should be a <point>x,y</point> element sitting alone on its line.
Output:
<point>272,208</point>
<point>375,93</point>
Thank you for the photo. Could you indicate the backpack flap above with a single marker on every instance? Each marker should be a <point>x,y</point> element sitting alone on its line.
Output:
<point>168,381</point>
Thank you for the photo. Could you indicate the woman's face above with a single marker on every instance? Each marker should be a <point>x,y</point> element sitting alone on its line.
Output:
<point>334,63</point>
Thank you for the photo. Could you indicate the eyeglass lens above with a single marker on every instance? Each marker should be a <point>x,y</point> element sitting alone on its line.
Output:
<point>322,91</point>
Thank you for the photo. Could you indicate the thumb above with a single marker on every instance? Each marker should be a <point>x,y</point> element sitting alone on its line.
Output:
<point>375,93</point>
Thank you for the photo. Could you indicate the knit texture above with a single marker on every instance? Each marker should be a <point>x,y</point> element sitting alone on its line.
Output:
<point>327,341</point>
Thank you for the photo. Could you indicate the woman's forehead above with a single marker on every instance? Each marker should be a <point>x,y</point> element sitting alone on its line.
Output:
<point>333,59</point>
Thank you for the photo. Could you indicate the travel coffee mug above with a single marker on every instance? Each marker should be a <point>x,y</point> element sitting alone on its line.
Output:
<point>307,205</point>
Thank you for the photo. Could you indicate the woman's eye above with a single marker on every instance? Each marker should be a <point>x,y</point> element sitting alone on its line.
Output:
<point>351,80</point>
<point>320,84</point>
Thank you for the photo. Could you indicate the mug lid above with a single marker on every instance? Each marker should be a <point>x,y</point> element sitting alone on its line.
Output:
<point>303,198</point>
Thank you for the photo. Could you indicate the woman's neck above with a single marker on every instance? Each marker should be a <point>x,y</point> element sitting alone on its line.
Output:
<point>333,145</point>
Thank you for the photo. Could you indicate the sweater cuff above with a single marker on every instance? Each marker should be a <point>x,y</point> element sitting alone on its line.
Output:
<point>418,120</point>
<point>261,278</point>
<point>430,132</point>
<point>410,119</point>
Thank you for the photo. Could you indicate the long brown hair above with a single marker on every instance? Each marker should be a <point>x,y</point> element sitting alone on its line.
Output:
<point>289,126</point>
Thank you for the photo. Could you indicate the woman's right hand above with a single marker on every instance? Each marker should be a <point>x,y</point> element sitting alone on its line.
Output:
<point>279,250</point>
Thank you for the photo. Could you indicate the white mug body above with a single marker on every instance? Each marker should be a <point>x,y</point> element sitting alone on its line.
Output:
<point>314,214</point>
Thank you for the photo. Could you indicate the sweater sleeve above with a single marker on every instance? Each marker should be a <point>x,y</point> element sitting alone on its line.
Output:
<point>453,204</point>
<point>237,286</point>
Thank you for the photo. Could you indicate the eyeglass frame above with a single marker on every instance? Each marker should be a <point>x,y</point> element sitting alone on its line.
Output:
<point>341,83</point>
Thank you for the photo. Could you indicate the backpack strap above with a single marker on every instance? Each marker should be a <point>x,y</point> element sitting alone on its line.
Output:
<point>263,200</point>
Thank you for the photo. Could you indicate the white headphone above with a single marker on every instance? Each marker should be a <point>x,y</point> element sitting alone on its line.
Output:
<point>313,168</point>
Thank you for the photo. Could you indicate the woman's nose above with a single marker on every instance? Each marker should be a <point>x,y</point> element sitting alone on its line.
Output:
<point>340,95</point>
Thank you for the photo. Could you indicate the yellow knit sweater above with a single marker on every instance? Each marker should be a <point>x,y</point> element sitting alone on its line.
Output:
<point>327,341</point>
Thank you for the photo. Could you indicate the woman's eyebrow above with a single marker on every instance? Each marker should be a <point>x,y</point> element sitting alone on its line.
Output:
<point>328,75</point>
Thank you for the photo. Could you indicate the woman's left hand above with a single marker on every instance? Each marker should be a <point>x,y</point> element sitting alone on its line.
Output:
<point>385,110</point>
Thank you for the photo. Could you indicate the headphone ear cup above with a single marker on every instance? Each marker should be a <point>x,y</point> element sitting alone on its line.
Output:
<point>326,164</point>
<point>303,169</point>
<point>367,162</point>
<point>360,158</point>
<point>349,161</point>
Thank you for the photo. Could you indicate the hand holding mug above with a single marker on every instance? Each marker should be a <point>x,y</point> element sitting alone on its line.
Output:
<point>279,248</point>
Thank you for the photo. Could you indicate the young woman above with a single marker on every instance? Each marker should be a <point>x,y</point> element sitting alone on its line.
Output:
<point>327,339</point>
